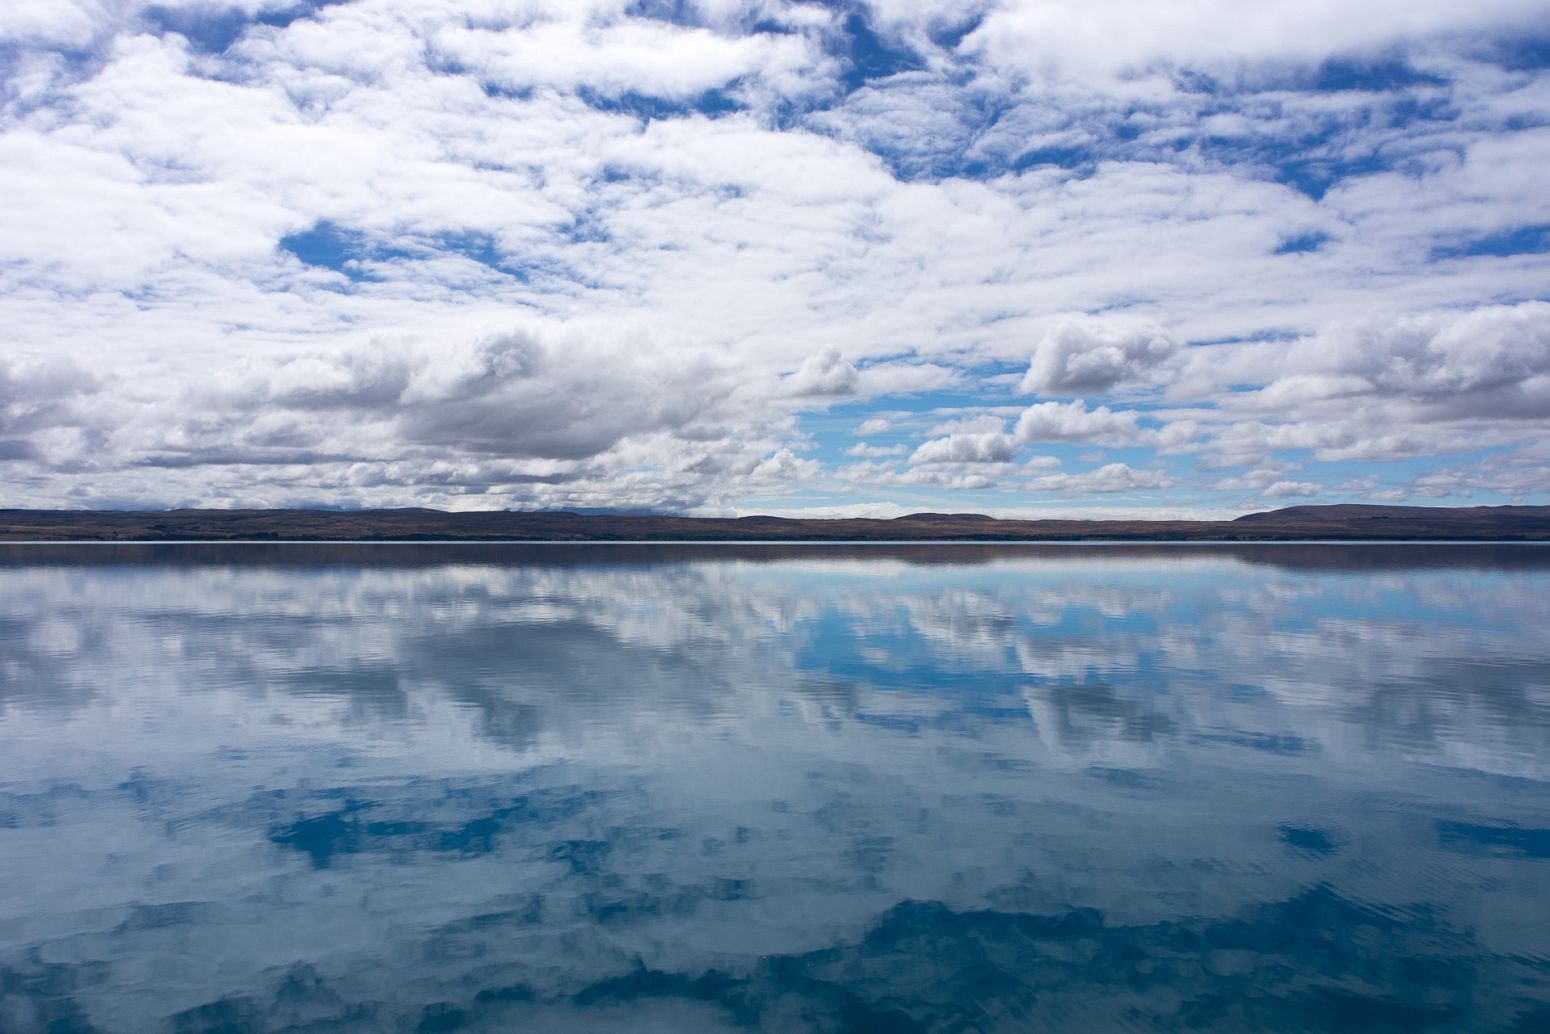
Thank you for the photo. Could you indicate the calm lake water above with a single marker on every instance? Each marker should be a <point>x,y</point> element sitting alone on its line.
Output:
<point>678,788</point>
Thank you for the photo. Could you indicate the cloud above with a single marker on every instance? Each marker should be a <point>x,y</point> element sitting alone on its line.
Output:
<point>825,374</point>
<point>42,412</point>
<point>1254,480</point>
<point>875,511</point>
<point>1094,357</point>
<point>1289,489</point>
<point>647,57</point>
<point>785,466</point>
<point>985,447</point>
<point>974,423</point>
<point>873,451</point>
<point>1494,361</point>
<point>1379,389</point>
<point>48,22</point>
<point>1074,422</point>
<point>1517,478</point>
<point>1111,477</point>
<point>1113,36</point>
<point>541,253</point>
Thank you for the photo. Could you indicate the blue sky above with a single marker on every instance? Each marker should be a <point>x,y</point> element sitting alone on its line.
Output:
<point>712,257</point>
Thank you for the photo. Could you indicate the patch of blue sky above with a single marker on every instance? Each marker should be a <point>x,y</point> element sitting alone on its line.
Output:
<point>674,12</point>
<point>949,33</point>
<point>947,148</point>
<point>353,253</point>
<point>1091,455</point>
<point>612,172</point>
<point>329,246</point>
<point>498,91</point>
<point>213,28</point>
<point>837,424</point>
<point>925,404</point>
<point>585,228</point>
<point>1520,52</point>
<point>869,56</point>
<point>1383,75</point>
<point>649,108</point>
<point>832,449</point>
<point>1302,243</point>
<point>1069,158</point>
<point>1533,239</point>
<point>1311,161</point>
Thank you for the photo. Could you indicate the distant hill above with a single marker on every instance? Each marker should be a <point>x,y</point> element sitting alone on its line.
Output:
<point>1365,511</point>
<point>1295,522</point>
<point>1348,520</point>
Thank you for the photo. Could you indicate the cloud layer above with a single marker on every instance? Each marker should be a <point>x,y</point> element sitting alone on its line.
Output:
<point>732,257</point>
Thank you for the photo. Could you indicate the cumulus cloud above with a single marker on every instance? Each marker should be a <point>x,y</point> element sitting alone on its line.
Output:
<point>1494,361</point>
<point>1074,422</point>
<point>1380,388</point>
<point>1077,357</point>
<point>985,447</point>
<point>825,374</point>
<point>785,465</point>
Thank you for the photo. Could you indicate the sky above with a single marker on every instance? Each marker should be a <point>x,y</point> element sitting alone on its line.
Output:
<point>1017,257</point>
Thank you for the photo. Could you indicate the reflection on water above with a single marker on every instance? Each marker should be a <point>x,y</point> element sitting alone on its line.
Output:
<point>959,788</point>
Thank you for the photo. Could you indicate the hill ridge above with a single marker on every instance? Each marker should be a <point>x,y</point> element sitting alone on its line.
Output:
<point>1338,521</point>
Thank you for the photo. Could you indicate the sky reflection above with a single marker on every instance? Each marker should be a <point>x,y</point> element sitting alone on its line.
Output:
<point>1085,788</point>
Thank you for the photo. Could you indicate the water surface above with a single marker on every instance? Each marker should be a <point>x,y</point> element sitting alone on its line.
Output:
<point>946,788</point>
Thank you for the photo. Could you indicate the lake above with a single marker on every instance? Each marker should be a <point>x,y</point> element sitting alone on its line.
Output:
<point>602,787</point>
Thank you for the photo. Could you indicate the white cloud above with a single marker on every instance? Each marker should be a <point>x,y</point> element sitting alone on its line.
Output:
<point>546,297</point>
<point>865,451</point>
<point>1088,356</point>
<point>985,447</point>
<point>1289,489</point>
<point>825,374</point>
<point>785,466</point>
<point>1493,361</point>
<point>972,424</point>
<point>646,57</point>
<point>874,511</point>
<point>1112,36</point>
<point>1074,422</point>
<point>1111,477</point>
<point>60,22</point>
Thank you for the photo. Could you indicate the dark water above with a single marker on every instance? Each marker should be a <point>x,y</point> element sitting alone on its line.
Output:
<point>955,788</point>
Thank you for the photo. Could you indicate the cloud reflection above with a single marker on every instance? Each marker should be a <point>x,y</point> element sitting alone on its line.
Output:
<point>837,789</point>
